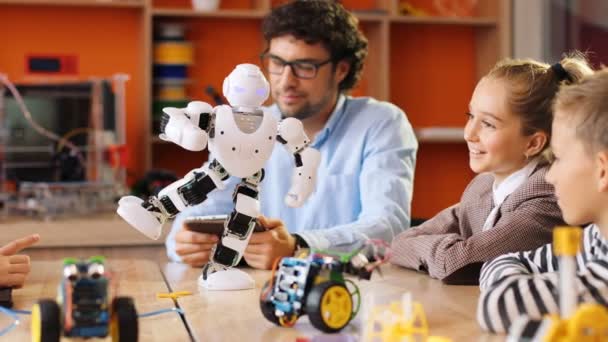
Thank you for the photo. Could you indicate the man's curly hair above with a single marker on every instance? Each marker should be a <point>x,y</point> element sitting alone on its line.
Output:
<point>323,21</point>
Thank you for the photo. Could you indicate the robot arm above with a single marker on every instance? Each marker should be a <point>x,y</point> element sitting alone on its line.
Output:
<point>187,127</point>
<point>307,159</point>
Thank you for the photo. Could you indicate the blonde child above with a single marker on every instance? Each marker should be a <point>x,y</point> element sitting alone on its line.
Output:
<point>509,206</point>
<point>14,268</point>
<point>526,283</point>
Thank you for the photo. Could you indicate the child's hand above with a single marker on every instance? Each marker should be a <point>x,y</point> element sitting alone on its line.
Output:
<point>16,246</point>
<point>15,268</point>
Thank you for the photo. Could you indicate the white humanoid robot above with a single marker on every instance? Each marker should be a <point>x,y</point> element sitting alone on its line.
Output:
<point>241,138</point>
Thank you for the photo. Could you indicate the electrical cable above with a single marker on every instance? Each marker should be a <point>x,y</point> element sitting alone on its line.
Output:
<point>12,315</point>
<point>158,312</point>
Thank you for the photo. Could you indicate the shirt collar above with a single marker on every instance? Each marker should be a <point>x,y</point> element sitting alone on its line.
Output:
<point>512,182</point>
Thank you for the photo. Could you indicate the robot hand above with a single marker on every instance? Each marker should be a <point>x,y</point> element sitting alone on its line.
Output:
<point>304,178</point>
<point>183,126</point>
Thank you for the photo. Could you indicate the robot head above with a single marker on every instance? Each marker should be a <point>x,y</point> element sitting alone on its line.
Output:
<point>246,86</point>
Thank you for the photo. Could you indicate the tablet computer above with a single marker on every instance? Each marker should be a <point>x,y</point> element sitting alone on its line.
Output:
<point>211,224</point>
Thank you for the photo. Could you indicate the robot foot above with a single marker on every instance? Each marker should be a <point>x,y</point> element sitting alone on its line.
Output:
<point>216,277</point>
<point>210,268</point>
<point>148,222</point>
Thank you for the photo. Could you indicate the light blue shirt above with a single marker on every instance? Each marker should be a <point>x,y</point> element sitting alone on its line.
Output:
<point>364,185</point>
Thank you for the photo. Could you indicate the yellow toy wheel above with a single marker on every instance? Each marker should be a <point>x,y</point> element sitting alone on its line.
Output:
<point>114,329</point>
<point>589,323</point>
<point>36,327</point>
<point>45,324</point>
<point>329,306</point>
<point>123,320</point>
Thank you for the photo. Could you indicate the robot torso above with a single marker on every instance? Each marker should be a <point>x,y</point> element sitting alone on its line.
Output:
<point>242,141</point>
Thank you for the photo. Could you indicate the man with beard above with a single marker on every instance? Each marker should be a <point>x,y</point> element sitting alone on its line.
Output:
<point>368,148</point>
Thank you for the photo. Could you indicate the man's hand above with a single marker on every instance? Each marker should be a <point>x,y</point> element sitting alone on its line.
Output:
<point>265,247</point>
<point>194,248</point>
<point>14,268</point>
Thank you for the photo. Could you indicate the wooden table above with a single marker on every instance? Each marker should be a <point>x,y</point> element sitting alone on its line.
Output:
<point>140,279</point>
<point>236,316</point>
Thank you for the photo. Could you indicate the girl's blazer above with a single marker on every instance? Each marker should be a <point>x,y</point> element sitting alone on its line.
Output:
<point>452,245</point>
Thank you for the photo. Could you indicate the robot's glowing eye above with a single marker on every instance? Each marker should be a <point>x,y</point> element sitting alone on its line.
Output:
<point>261,91</point>
<point>239,89</point>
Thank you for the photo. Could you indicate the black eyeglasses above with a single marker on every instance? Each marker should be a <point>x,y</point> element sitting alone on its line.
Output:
<point>305,69</point>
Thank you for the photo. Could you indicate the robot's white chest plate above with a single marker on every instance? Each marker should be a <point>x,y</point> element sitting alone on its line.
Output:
<point>238,145</point>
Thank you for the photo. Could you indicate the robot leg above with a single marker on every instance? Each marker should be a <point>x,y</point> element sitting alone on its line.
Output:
<point>239,226</point>
<point>148,217</point>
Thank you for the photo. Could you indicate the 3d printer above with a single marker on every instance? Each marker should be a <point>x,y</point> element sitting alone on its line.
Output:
<point>62,146</point>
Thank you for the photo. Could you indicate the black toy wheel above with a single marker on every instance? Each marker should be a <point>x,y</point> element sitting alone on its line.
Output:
<point>266,305</point>
<point>46,326</point>
<point>329,306</point>
<point>123,324</point>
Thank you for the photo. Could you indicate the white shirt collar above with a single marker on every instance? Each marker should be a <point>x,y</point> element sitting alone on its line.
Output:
<point>506,187</point>
<point>512,182</point>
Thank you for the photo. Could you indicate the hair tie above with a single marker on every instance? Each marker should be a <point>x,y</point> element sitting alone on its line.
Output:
<point>561,73</point>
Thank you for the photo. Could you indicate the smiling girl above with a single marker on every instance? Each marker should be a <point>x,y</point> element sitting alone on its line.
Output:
<point>509,206</point>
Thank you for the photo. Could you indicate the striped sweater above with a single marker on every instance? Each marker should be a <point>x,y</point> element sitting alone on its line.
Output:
<point>526,283</point>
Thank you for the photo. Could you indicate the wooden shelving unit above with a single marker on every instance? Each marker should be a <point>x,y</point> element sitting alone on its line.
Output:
<point>474,22</point>
<point>79,3</point>
<point>426,65</point>
<point>224,14</point>
<point>105,37</point>
<point>439,135</point>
